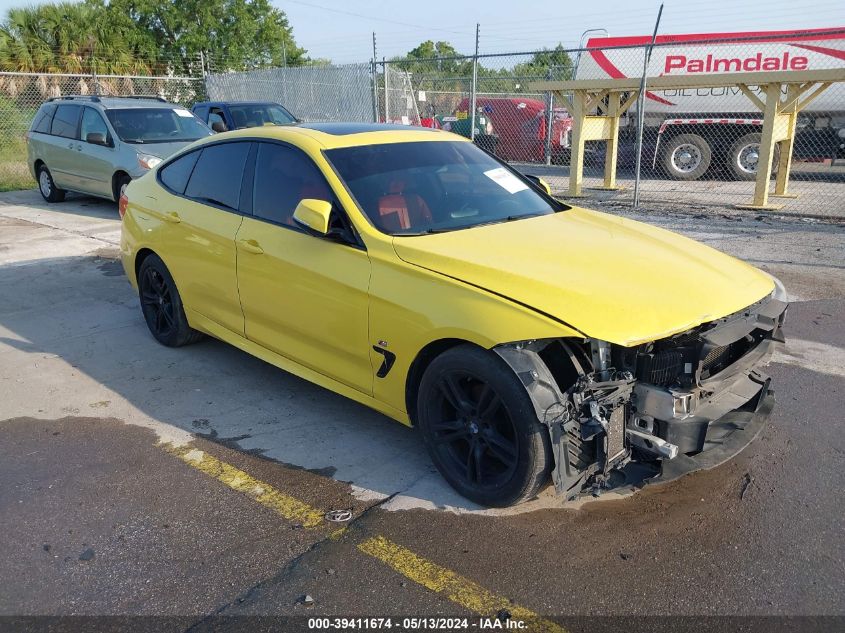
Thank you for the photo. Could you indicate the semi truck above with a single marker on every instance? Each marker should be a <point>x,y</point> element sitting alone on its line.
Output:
<point>692,131</point>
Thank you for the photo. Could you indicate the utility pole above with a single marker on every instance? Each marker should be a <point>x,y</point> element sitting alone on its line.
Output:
<point>375,81</point>
<point>474,84</point>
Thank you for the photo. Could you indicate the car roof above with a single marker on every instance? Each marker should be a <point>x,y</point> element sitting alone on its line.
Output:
<point>231,103</point>
<point>117,102</point>
<point>333,135</point>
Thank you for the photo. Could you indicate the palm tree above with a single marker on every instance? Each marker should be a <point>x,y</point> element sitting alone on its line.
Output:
<point>67,38</point>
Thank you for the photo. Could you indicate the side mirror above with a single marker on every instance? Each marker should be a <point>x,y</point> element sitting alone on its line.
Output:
<point>540,183</point>
<point>218,126</point>
<point>96,138</point>
<point>313,215</point>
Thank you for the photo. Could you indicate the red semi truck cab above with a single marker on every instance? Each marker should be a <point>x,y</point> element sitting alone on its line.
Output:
<point>688,131</point>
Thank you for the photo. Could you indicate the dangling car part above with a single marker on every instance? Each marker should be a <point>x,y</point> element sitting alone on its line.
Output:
<point>651,412</point>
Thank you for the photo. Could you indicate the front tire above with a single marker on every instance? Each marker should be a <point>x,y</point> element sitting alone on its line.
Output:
<point>686,157</point>
<point>480,428</point>
<point>162,305</point>
<point>47,186</point>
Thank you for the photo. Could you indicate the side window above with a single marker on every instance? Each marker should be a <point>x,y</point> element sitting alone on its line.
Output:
<point>65,121</point>
<point>44,118</point>
<point>202,112</point>
<point>93,123</point>
<point>283,177</point>
<point>175,175</point>
<point>218,174</point>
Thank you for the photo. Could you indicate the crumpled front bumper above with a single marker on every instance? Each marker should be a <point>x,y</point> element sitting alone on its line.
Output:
<point>726,437</point>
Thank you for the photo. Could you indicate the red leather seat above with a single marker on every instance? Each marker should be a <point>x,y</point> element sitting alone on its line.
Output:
<point>401,211</point>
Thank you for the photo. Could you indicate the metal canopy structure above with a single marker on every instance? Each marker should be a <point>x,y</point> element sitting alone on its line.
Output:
<point>596,106</point>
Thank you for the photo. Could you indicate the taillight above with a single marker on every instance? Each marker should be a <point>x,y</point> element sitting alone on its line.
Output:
<point>121,205</point>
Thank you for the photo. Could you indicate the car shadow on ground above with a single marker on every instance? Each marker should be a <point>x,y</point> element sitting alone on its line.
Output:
<point>63,316</point>
<point>76,203</point>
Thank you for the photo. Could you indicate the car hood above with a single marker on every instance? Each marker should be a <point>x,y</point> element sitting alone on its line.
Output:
<point>611,278</point>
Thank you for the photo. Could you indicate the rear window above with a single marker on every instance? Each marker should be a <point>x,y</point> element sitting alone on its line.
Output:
<point>44,118</point>
<point>65,121</point>
<point>217,176</point>
<point>175,175</point>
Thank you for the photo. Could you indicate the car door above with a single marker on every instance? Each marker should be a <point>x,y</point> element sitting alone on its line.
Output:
<point>95,162</point>
<point>202,218</point>
<point>303,297</point>
<point>62,151</point>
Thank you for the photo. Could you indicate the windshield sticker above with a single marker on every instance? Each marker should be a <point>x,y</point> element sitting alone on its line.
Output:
<point>506,180</point>
<point>183,113</point>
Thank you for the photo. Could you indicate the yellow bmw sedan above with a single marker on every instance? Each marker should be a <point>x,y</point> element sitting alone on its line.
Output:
<point>409,270</point>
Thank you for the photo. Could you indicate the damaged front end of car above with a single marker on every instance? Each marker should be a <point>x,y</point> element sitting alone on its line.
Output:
<point>625,416</point>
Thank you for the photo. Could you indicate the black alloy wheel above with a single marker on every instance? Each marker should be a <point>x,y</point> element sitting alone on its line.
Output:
<point>481,429</point>
<point>475,435</point>
<point>162,305</point>
<point>157,303</point>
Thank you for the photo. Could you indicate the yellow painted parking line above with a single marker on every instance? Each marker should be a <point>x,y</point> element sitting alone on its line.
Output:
<point>458,589</point>
<point>282,504</point>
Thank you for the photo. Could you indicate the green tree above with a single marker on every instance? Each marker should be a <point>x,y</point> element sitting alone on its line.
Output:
<point>554,64</point>
<point>68,37</point>
<point>227,34</point>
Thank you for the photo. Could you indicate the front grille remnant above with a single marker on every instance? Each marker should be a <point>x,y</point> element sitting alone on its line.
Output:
<point>716,357</point>
<point>660,368</point>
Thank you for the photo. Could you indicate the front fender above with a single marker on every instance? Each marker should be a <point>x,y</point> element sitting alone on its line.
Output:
<point>411,308</point>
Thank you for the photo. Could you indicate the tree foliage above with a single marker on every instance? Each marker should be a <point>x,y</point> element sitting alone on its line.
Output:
<point>68,37</point>
<point>554,64</point>
<point>228,34</point>
<point>137,36</point>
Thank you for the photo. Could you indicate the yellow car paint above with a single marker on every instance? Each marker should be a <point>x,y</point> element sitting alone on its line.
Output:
<point>317,308</point>
<point>613,279</point>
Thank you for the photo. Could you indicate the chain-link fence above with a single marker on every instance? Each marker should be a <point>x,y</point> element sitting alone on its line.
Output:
<point>311,93</point>
<point>21,94</point>
<point>700,146</point>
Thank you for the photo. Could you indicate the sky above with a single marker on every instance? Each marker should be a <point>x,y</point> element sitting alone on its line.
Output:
<point>342,30</point>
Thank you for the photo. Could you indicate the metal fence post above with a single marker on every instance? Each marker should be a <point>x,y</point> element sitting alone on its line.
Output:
<point>375,81</point>
<point>550,105</point>
<point>640,109</point>
<point>386,94</point>
<point>474,87</point>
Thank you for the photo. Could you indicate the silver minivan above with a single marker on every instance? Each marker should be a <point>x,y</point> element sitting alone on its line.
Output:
<point>97,145</point>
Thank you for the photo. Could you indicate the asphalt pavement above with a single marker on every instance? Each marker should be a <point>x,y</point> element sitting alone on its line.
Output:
<point>195,483</point>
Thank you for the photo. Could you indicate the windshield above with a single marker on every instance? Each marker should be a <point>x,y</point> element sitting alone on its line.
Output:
<point>157,125</point>
<point>256,115</point>
<point>434,186</point>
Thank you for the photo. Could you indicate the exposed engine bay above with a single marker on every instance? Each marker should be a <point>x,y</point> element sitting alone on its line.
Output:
<point>625,416</point>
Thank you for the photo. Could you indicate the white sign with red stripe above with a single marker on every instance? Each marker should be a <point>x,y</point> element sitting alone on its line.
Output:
<point>710,53</point>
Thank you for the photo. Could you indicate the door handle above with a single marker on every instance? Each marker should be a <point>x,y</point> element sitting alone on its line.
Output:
<point>250,246</point>
<point>173,218</point>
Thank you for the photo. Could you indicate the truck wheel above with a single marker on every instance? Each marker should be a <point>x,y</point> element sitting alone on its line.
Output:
<point>744,157</point>
<point>480,428</point>
<point>686,157</point>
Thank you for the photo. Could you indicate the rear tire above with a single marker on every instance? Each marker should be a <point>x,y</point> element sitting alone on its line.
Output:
<point>162,305</point>
<point>47,186</point>
<point>744,156</point>
<point>686,157</point>
<point>480,428</point>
